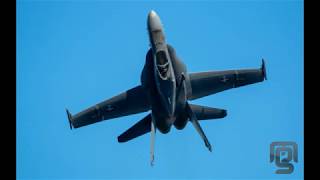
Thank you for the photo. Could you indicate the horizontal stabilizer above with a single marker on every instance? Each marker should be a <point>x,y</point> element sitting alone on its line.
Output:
<point>204,112</point>
<point>140,128</point>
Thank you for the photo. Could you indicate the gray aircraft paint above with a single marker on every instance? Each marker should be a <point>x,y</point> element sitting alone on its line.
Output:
<point>165,89</point>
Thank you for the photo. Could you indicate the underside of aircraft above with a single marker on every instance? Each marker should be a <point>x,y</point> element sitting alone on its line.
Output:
<point>165,90</point>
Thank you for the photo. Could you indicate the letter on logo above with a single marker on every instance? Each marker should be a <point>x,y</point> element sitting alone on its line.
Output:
<point>282,153</point>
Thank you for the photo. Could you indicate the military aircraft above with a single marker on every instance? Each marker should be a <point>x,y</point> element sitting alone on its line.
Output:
<point>166,87</point>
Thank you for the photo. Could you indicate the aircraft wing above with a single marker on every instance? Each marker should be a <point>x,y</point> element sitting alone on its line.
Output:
<point>206,83</point>
<point>130,102</point>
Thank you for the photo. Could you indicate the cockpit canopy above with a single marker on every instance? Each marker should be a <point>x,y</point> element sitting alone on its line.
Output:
<point>162,64</point>
<point>163,69</point>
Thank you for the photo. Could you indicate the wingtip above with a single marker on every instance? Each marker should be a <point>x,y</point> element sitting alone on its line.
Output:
<point>224,113</point>
<point>69,118</point>
<point>263,68</point>
<point>121,139</point>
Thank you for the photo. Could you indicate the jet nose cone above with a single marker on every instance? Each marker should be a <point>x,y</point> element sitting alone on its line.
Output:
<point>152,13</point>
<point>154,22</point>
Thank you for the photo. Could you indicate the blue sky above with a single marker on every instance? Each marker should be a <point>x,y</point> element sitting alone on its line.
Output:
<point>77,53</point>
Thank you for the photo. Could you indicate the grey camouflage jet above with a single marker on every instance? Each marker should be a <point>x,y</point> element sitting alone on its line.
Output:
<point>165,89</point>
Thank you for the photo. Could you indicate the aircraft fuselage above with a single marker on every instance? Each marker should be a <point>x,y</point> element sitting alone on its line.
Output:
<point>165,89</point>
<point>162,78</point>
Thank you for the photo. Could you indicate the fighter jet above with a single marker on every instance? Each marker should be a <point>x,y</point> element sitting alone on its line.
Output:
<point>165,90</point>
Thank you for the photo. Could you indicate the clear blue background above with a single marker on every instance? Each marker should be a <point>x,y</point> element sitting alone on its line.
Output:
<point>77,53</point>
